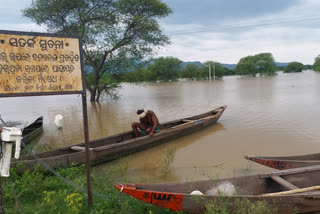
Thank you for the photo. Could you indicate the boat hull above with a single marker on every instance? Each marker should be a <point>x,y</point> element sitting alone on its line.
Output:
<point>116,146</point>
<point>32,131</point>
<point>177,197</point>
<point>282,163</point>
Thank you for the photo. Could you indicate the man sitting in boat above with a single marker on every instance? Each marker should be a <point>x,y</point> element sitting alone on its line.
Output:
<point>149,123</point>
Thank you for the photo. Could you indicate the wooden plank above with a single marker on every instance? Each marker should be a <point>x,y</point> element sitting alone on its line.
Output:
<point>188,120</point>
<point>209,117</point>
<point>291,171</point>
<point>78,148</point>
<point>184,124</point>
<point>284,183</point>
<point>293,191</point>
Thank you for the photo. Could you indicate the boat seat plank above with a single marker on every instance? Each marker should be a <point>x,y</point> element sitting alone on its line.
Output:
<point>209,117</point>
<point>292,171</point>
<point>284,183</point>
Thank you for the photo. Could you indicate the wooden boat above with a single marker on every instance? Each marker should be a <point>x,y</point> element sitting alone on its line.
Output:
<point>30,132</point>
<point>286,162</point>
<point>33,130</point>
<point>287,190</point>
<point>115,146</point>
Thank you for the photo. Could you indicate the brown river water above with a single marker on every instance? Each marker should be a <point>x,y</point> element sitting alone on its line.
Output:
<point>274,116</point>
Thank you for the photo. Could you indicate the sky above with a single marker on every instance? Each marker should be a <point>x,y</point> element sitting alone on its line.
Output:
<point>221,30</point>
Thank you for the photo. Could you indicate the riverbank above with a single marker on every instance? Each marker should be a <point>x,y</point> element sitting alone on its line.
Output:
<point>44,192</point>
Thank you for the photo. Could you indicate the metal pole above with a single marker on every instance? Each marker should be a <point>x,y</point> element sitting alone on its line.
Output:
<point>86,141</point>
<point>209,72</point>
<point>1,202</point>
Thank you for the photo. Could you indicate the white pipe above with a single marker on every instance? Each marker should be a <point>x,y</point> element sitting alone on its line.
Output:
<point>18,147</point>
<point>9,135</point>
<point>6,159</point>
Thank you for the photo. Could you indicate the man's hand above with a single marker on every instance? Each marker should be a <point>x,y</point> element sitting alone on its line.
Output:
<point>151,134</point>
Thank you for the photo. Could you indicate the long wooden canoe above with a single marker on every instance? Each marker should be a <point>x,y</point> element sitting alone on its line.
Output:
<point>288,162</point>
<point>33,130</point>
<point>115,146</point>
<point>285,190</point>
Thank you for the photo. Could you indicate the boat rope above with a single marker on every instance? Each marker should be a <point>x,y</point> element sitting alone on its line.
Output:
<point>249,164</point>
<point>15,195</point>
<point>45,165</point>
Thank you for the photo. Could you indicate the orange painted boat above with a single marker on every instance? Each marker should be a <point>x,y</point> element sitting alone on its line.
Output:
<point>288,162</point>
<point>287,190</point>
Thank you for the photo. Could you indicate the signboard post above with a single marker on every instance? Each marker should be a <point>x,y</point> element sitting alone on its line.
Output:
<point>36,64</point>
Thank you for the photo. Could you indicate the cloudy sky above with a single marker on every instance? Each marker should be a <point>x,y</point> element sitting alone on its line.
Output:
<point>222,30</point>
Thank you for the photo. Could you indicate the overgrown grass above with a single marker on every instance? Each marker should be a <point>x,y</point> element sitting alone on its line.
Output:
<point>42,192</point>
<point>238,206</point>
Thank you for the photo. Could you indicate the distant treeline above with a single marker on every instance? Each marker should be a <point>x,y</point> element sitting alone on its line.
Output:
<point>169,69</point>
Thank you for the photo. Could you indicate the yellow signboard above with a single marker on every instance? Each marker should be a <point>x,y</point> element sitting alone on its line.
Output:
<point>33,63</point>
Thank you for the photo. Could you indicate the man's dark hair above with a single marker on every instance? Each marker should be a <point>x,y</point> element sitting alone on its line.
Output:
<point>140,111</point>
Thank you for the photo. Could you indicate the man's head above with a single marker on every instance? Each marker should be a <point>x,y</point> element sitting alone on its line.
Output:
<point>141,113</point>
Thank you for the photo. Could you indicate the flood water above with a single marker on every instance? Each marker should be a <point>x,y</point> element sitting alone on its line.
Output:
<point>278,115</point>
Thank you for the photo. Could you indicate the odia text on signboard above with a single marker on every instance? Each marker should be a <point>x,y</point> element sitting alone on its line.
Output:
<point>38,63</point>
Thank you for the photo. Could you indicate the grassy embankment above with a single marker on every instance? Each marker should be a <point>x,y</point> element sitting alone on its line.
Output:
<point>42,192</point>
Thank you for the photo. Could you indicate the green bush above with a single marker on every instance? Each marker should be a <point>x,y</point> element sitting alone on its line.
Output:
<point>39,191</point>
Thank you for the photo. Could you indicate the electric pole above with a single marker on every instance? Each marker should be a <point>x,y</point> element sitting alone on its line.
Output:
<point>214,72</point>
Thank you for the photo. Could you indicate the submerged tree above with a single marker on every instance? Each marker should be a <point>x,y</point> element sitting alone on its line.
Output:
<point>262,64</point>
<point>293,67</point>
<point>165,69</point>
<point>190,71</point>
<point>316,65</point>
<point>113,32</point>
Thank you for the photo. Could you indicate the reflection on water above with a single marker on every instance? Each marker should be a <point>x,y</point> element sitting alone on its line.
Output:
<point>276,115</point>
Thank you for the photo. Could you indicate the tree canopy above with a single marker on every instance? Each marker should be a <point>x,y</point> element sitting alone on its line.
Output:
<point>113,32</point>
<point>316,65</point>
<point>190,71</point>
<point>165,69</point>
<point>293,67</point>
<point>262,64</point>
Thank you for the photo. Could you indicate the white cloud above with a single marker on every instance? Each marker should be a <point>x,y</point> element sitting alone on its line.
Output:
<point>297,41</point>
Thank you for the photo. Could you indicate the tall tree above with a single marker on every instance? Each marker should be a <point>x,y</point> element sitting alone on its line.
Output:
<point>112,32</point>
